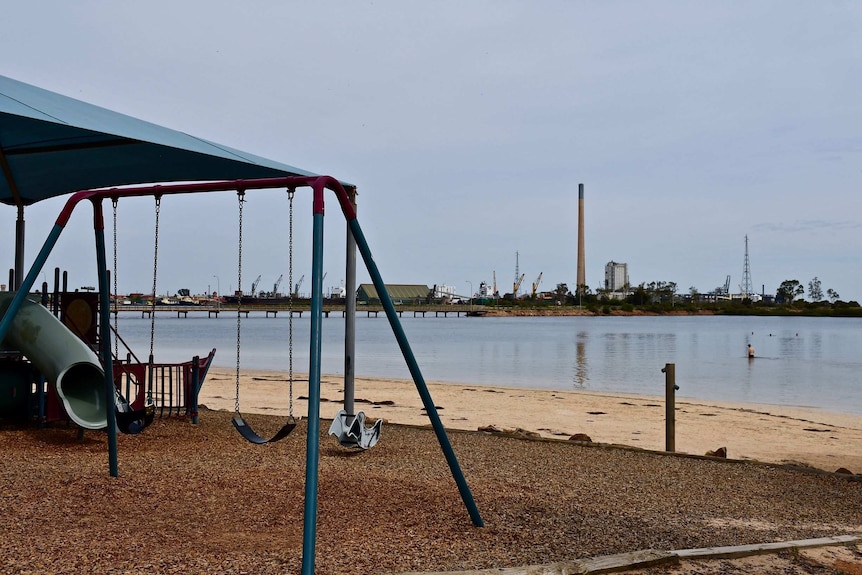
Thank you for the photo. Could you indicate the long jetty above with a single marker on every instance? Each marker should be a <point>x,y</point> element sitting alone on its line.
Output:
<point>369,310</point>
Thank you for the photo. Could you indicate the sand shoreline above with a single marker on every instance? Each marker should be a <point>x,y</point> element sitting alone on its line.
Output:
<point>768,433</point>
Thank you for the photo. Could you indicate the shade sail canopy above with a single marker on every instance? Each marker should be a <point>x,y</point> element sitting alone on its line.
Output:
<point>52,145</point>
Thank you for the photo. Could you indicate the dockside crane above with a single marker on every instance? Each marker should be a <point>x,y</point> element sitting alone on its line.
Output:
<point>296,287</point>
<point>536,284</point>
<point>275,286</point>
<point>517,285</point>
<point>254,286</point>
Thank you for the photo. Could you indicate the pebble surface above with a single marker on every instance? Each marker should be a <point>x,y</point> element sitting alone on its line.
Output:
<point>199,499</point>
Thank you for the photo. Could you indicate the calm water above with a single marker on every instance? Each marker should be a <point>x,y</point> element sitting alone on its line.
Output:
<point>800,361</point>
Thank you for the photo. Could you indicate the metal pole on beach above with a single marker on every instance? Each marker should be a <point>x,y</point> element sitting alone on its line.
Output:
<point>350,318</point>
<point>670,388</point>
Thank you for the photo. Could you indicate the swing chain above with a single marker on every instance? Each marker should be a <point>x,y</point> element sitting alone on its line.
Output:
<point>238,421</point>
<point>116,307</point>
<point>241,200</point>
<point>155,276</point>
<point>290,193</point>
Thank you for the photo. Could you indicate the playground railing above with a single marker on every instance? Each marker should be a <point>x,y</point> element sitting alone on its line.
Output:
<point>173,387</point>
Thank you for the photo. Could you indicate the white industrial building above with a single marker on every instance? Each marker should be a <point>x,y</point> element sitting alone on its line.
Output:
<point>616,276</point>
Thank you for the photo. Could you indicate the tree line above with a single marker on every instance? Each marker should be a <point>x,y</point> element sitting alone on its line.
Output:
<point>664,297</point>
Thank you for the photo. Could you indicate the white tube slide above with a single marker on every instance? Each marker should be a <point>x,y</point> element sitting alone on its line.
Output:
<point>63,359</point>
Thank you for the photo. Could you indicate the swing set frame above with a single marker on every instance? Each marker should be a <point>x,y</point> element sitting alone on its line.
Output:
<point>318,185</point>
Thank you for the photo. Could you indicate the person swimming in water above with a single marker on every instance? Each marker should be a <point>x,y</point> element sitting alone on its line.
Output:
<point>750,352</point>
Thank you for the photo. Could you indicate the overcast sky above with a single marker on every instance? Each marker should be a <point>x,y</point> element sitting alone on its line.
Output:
<point>467,127</point>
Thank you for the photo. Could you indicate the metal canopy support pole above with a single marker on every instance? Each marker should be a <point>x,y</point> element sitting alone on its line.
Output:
<point>105,335</point>
<point>427,401</point>
<point>19,249</point>
<point>312,449</point>
<point>350,318</point>
<point>19,224</point>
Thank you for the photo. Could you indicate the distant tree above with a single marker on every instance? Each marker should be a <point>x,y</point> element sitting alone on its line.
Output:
<point>639,296</point>
<point>815,292</point>
<point>672,288</point>
<point>585,290</point>
<point>561,293</point>
<point>788,291</point>
<point>695,295</point>
<point>832,295</point>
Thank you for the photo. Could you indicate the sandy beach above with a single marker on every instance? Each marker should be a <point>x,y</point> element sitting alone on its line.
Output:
<point>767,433</point>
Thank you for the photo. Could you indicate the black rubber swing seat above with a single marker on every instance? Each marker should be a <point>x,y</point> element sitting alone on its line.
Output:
<point>250,435</point>
<point>130,420</point>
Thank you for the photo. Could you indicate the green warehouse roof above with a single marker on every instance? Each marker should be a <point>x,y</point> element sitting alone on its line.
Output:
<point>397,292</point>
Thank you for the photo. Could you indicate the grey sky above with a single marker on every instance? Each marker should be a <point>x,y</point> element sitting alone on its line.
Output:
<point>467,127</point>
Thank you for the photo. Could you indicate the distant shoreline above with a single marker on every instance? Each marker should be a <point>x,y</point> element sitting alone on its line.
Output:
<point>566,311</point>
<point>569,311</point>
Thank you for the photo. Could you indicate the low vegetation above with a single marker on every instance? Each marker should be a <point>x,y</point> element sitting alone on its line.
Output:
<point>661,298</point>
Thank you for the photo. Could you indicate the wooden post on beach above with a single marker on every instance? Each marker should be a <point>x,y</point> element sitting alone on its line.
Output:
<point>670,388</point>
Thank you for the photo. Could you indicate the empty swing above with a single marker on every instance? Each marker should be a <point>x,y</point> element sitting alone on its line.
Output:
<point>238,421</point>
<point>129,419</point>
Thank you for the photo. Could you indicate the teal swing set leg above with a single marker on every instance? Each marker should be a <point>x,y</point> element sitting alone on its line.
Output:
<point>312,447</point>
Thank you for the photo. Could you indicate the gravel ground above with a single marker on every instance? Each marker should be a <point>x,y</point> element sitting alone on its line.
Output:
<point>199,499</point>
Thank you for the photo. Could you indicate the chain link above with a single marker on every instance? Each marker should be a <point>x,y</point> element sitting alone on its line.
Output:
<point>155,276</point>
<point>240,199</point>
<point>290,194</point>
<point>116,308</point>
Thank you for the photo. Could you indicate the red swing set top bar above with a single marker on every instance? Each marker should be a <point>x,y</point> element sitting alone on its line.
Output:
<point>317,183</point>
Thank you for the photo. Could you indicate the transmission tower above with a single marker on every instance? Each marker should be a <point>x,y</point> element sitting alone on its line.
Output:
<point>747,289</point>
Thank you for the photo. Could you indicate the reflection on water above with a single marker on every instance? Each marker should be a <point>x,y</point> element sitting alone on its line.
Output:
<point>800,361</point>
<point>581,374</point>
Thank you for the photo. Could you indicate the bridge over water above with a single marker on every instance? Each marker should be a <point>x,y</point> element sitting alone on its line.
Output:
<point>372,310</point>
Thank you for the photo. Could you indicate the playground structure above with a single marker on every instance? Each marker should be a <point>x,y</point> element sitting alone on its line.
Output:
<point>52,374</point>
<point>346,423</point>
<point>52,145</point>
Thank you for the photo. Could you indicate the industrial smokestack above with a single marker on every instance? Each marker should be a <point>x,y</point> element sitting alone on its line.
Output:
<point>582,281</point>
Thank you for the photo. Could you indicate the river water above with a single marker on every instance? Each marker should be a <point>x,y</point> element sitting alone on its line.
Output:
<point>800,361</point>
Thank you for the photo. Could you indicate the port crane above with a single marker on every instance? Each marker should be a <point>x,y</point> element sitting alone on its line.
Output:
<point>536,284</point>
<point>254,286</point>
<point>275,285</point>
<point>517,285</point>
<point>296,287</point>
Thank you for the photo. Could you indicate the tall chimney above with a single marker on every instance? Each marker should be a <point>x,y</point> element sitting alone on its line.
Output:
<point>582,281</point>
